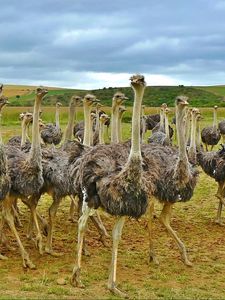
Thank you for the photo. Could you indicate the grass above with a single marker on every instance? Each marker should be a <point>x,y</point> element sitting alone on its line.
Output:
<point>193,221</point>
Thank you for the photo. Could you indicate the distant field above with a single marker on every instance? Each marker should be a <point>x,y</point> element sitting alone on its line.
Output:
<point>154,95</point>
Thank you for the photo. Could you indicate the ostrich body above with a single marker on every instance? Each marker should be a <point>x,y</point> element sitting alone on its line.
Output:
<point>52,134</point>
<point>112,177</point>
<point>221,127</point>
<point>211,134</point>
<point>177,180</point>
<point>25,171</point>
<point>151,121</point>
<point>213,164</point>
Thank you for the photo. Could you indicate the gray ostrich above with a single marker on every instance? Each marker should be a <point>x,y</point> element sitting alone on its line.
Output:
<point>114,178</point>
<point>4,176</point>
<point>26,176</point>
<point>211,134</point>
<point>177,178</point>
<point>52,133</point>
<point>221,127</point>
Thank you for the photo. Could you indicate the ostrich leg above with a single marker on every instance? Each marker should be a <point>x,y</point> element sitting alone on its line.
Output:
<point>73,208</point>
<point>82,226</point>
<point>52,213</point>
<point>6,205</point>
<point>152,257</point>
<point>220,196</point>
<point>116,234</point>
<point>165,219</point>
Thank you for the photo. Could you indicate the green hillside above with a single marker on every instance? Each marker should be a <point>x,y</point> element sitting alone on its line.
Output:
<point>154,96</point>
<point>217,89</point>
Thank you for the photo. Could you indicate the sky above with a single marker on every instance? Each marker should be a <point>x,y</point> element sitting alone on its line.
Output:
<point>89,44</point>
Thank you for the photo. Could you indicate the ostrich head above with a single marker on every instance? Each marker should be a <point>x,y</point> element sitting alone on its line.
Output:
<point>119,98</point>
<point>41,125</point>
<point>167,111</point>
<point>3,102</point>
<point>27,117</point>
<point>75,100</point>
<point>58,104</point>
<point>104,118</point>
<point>215,107</point>
<point>181,101</point>
<point>41,92</point>
<point>90,100</point>
<point>137,81</point>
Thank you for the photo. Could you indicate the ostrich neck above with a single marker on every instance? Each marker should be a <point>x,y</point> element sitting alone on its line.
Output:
<point>193,132</point>
<point>87,125</point>
<point>119,128</point>
<point>57,117</point>
<point>161,120</point>
<point>97,120</point>
<point>198,144</point>
<point>101,133</point>
<point>35,153</point>
<point>1,142</point>
<point>24,133</point>
<point>143,124</point>
<point>114,126</point>
<point>167,127</point>
<point>180,135</point>
<point>187,129</point>
<point>69,128</point>
<point>215,118</point>
<point>135,152</point>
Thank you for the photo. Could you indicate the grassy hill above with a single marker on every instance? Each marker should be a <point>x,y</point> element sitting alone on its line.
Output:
<point>154,96</point>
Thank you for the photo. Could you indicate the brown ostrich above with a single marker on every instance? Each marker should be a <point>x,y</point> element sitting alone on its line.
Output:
<point>177,178</point>
<point>119,182</point>
<point>52,133</point>
<point>26,176</point>
<point>211,134</point>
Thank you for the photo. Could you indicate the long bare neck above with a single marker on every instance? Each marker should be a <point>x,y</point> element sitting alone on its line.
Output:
<point>167,127</point>
<point>161,120</point>
<point>24,132</point>
<point>88,132</point>
<point>187,128</point>
<point>180,112</point>
<point>114,126</point>
<point>35,152</point>
<point>1,142</point>
<point>97,120</point>
<point>101,133</point>
<point>119,127</point>
<point>198,143</point>
<point>193,132</point>
<point>215,118</point>
<point>57,117</point>
<point>135,152</point>
<point>69,127</point>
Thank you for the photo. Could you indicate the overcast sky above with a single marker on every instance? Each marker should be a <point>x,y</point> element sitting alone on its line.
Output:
<point>95,43</point>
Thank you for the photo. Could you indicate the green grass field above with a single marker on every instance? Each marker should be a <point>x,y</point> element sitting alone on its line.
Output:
<point>193,221</point>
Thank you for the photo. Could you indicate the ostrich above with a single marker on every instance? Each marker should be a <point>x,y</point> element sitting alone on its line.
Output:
<point>162,135</point>
<point>211,134</point>
<point>102,121</point>
<point>221,127</point>
<point>26,176</point>
<point>5,179</point>
<point>118,100</point>
<point>1,89</point>
<point>117,183</point>
<point>121,111</point>
<point>177,181</point>
<point>151,121</point>
<point>143,123</point>
<point>52,134</point>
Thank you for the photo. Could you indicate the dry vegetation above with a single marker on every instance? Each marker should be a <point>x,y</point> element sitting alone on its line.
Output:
<point>170,280</point>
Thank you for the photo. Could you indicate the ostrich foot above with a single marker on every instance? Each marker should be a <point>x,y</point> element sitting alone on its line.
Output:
<point>112,287</point>
<point>38,244</point>
<point>2,257</point>
<point>27,263</point>
<point>72,219</point>
<point>186,261</point>
<point>103,239</point>
<point>53,253</point>
<point>153,259</point>
<point>85,252</point>
<point>219,222</point>
<point>75,279</point>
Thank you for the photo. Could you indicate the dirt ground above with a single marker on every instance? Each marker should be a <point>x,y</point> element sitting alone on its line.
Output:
<point>193,221</point>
